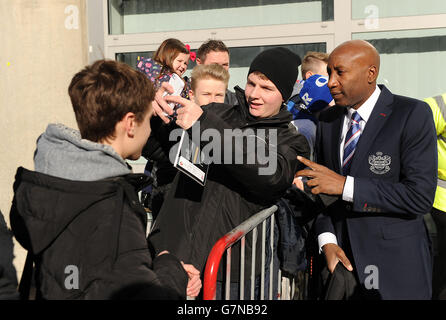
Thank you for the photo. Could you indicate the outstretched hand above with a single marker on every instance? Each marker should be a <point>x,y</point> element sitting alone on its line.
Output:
<point>160,106</point>
<point>188,114</point>
<point>322,179</point>
<point>194,283</point>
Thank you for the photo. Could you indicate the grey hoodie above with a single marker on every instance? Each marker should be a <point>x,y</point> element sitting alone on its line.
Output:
<point>61,152</point>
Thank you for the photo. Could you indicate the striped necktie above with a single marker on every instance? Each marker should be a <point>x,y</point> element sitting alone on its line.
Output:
<point>351,140</point>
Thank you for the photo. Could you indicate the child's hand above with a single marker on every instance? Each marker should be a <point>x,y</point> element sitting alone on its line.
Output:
<point>188,114</point>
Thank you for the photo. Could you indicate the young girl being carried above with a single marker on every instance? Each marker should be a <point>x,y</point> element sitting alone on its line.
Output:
<point>168,64</point>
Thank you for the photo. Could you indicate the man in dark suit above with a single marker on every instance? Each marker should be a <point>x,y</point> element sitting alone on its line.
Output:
<point>377,156</point>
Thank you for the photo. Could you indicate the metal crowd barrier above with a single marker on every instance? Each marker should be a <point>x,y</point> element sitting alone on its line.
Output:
<point>239,233</point>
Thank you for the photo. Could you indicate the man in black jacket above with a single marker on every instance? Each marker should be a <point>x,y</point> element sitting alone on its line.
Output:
<point>78,215</point>
<point>193,217</point>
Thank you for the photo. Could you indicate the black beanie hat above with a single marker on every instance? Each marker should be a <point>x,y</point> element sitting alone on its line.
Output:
<point>280,65</point>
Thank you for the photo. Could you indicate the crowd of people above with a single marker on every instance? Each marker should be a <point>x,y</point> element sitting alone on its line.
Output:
<point>344,158</point>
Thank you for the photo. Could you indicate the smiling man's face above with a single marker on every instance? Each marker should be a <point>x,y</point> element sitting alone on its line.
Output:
<point>263,97</point>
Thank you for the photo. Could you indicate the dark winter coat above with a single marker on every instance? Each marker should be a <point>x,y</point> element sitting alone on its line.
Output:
<point>8,276</point>
<point>95,229</point>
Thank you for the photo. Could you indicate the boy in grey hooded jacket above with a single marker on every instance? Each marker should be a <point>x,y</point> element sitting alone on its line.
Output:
<point>78,214</point>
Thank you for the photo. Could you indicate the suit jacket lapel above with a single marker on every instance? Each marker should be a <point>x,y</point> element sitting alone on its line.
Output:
<point>336,132</point>
<point>378,118</point>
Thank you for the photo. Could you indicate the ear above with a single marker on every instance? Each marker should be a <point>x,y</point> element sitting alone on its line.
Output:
<point>198,60</point>
<point>191,95</point>
<point>373,74</point>
<point>129,122</point>
<point>308,74</point>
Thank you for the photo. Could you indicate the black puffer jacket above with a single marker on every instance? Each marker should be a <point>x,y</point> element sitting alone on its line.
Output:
<point>8,276</point>
<point>193,217</point>
<point>96,228</point>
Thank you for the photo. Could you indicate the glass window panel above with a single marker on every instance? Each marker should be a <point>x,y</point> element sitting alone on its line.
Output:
<point>240,59</point>
<point>412,61</point>
<point>361,9</point>
<point>141,16</point>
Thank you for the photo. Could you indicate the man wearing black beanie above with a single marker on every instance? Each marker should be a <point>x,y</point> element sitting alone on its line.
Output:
<point>280,66</point>
<point>194,217</point>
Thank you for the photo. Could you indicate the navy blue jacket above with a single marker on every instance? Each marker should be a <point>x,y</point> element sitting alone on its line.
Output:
<point>395,174</point>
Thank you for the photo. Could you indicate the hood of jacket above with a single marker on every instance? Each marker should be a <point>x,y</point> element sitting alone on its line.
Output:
<point>61,152</point>
<point>72,175</point>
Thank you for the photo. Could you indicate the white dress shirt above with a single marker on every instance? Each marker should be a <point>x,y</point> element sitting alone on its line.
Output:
<point>347,194</point>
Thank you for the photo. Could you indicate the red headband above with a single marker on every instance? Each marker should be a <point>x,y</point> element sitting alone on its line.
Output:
<point>193,54</point>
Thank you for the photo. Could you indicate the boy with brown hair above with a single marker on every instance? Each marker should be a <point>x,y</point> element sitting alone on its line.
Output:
<point>78,214</point>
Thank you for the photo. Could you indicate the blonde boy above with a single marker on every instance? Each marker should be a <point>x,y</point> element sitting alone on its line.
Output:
<point>208,84</point>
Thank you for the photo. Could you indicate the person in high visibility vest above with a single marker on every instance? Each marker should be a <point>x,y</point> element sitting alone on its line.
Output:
<point>438,106</point>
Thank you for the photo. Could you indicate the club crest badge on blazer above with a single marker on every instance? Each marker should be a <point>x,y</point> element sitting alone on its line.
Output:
<point>379,163</point>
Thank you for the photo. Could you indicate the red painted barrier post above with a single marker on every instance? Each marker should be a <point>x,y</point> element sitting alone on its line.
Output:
<point>229,239</point>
